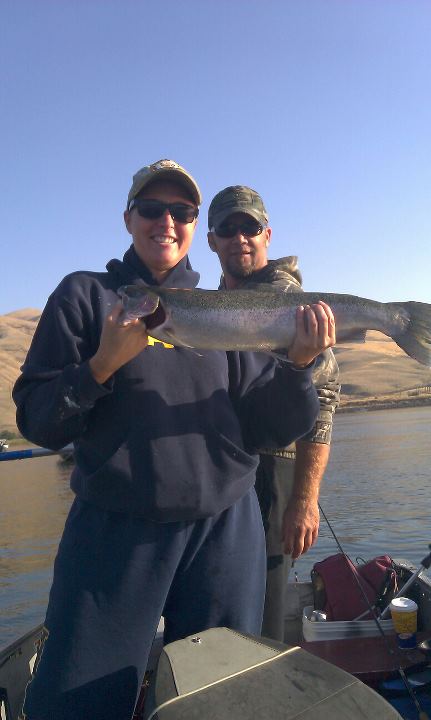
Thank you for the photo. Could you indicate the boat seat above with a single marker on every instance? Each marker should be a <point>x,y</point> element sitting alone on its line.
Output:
<point>222,674</point>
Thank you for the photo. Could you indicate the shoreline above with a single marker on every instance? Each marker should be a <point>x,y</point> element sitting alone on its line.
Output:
<point>346,406</point>
<point>383,404</point>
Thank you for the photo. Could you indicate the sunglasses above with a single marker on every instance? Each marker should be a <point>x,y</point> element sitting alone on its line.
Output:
<point>249,228</point>
<point>153,209</point>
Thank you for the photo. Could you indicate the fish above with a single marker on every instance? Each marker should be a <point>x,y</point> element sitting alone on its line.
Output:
<point>263,318</point>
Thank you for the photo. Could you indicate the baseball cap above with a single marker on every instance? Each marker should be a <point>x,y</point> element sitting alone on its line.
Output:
<point>164,170</point>
<point>235,199</point>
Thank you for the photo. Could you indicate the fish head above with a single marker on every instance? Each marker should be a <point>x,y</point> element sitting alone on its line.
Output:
<point>172,315</point>
<point>154,306</point>
<point>138,302</point>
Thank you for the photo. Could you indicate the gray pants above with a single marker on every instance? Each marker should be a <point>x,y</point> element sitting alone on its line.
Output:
<point>274,483</point>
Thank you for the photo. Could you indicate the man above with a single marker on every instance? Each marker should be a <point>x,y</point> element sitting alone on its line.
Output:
<point>288,479</point>
<point>165,517</point>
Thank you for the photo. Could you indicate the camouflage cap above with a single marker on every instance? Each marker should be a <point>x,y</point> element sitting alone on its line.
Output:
<point>236,199</point>
<point>164,170</point>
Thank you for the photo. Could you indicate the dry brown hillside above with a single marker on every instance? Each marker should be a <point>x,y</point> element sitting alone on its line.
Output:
<point>16,332</point>
<point>377,369</point>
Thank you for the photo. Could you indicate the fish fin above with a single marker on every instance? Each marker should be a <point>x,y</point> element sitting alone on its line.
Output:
<point>351,336</point>
<point>190,348</point>
<point>179,344</point>
<point>416,339</point>
<point>174,342</point>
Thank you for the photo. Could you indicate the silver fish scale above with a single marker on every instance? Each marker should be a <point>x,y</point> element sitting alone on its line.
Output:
<point>225,320</point>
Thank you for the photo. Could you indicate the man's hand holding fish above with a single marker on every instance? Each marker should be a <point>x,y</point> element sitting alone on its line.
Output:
<point>315,332</point>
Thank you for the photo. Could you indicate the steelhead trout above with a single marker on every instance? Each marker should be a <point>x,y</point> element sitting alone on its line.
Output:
<point>264,318</point>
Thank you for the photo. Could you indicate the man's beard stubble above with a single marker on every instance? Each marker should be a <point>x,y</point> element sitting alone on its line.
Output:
<point>238,271</point>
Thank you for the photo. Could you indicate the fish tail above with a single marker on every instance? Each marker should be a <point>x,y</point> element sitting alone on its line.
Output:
<point>415,340</point>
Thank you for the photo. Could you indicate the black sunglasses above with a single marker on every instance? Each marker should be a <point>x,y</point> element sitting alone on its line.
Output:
<point>153,209</point>
<point>249,228</point>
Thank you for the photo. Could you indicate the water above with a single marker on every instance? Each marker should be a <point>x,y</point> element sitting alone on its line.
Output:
<point>375,495</point>
<point>376,490</point>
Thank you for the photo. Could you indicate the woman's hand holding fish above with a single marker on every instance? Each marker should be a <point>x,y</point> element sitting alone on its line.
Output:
<point>315,332</point>
<point>119,343</point>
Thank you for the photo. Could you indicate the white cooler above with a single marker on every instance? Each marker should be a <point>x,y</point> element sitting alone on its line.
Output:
<point>339,629</point>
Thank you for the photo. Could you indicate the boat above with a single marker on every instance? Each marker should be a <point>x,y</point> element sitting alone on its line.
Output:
<point>223,674</point>
<point>66,454</point>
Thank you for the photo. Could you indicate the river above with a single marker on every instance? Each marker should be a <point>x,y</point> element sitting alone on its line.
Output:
<point>375,494</point>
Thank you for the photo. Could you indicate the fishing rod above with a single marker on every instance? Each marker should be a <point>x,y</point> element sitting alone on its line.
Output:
<point>421,713</point>
<point>32,453</point>
<point>425,564</point>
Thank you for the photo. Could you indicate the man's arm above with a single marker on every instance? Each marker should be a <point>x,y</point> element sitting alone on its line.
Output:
<point>301,517</point>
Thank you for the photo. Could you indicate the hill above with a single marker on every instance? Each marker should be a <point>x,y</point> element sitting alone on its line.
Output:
<point>379,374</point>
<point>16,332</point>
<point>375,374</point>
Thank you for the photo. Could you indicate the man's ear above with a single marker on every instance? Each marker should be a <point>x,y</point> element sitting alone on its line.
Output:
<point>268,236</point>
<point>211,242</point>
<point>126,217</point>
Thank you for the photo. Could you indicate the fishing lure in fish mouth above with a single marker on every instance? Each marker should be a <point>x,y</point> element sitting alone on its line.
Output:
<point>263,318</point>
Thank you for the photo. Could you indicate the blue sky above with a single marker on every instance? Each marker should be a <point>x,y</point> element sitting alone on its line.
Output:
<point>323,106</point>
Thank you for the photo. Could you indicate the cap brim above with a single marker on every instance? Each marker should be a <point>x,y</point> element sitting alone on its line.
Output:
<point>182,179</point>
<point>224,214</point>
<point>173,174</point>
